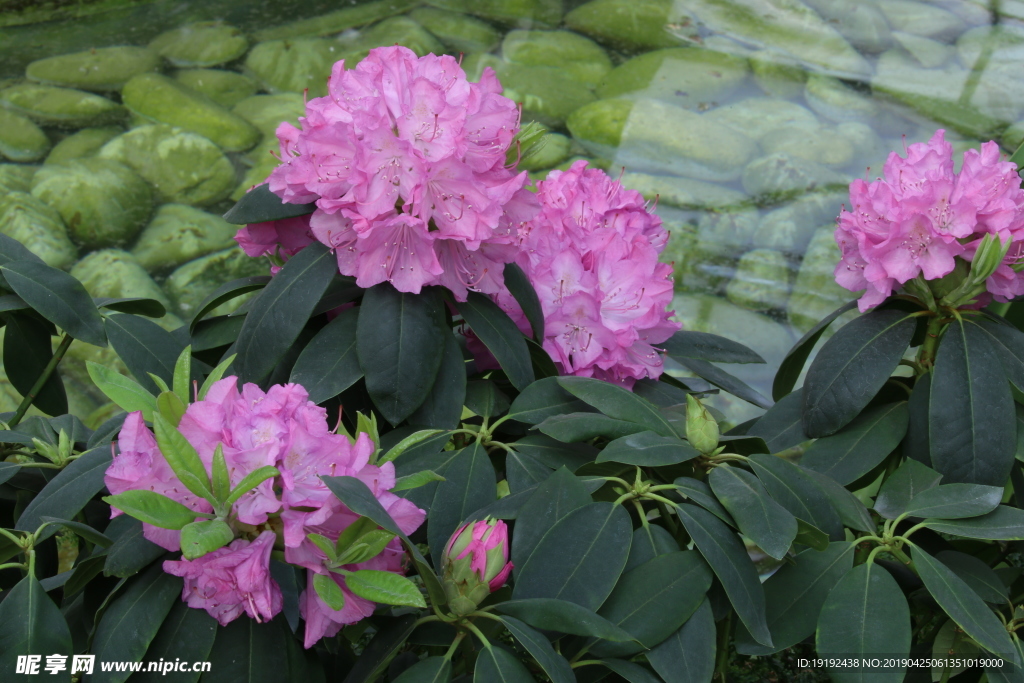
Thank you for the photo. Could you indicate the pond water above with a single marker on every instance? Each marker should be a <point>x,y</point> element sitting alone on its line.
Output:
<point>128,126</point>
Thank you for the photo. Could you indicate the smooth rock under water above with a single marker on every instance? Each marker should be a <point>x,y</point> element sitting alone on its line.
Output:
<point>703,313</point>
<point>781,175</point>
<point>182,167</point>
<point>861,22</point>
<point>266,112</point>
<point>734,227</point>
<point>226,88</point>
<point>85,143</point>
<point>38,226</point>
<point>20,139</point>
<point>524,13</point>
<point>260,162</point>
<point>61,107</point>
<point>922,19</point>
<point>340,20</point>
<point>16,178</point>
<point>699,265</point>
<point>458,32</point>
<point>682,193</point>
<point>103,203</point>
<point>686,77</point>
<point>159,99</point>
<point>101,70</point>
<point>579,57</point>
<point>761,281</point>
<point>820,145</point>
<point>394,31</point>
<point>179,233</point>
<point>790,228</point>
<point>189,284</point>
<point>815,292</point>
<point>293,65</point>
<point>116,274</point>
<point>777,75</point>
<point>547,94</point>
<point>208,43</point>
<point>756,117</point>
<point>834,100</point>
<point>633,25</point>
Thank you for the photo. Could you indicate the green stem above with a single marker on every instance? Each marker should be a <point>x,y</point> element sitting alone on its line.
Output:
<point>586,662</point>
<point>641,513</point>
<point>667,516</point>
<point>13,565</point>
<point>722,666</point>
<point>65,342</point>
<point>926,354</point>
<point>476,632</point>
<point>455,645</point>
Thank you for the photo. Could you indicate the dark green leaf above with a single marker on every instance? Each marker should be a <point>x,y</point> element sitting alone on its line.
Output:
<point>979,576</point>
<point>543,399</point>
<point>554,453</point>
<point>469,485</point>
<point>217,332</point>
<point>379,652</point>
<point>909,480</point>
<point>260,205</point>
<point>226,292</point>
<point>67,493</point>
<point>520,287</point>
<point>495,665</point>
<point>854,451</point>
<point>145,348</point>
<point>442,408</point>
<point>794,596</point>
<point>553,664</point>
<point>186,634</point>
<point>151,308</point>
<point>1008,343</point>
<point>543,366</point>
<point>648,449</point>
<point>850,509</point>
<point>83,530</point>
<point>58,297</point>
<point>708,347</point>
<point>485,399</point>
<point>955,501</point>
<point>131,550</point>
<point>811,536</point>
<point>428,670</point>
<point>630,671</point>
<point>500,335</point>
<point>916,443</point>
<point>733,567</point>
<point>970,414</point>
<point>580,558</point>
<point>652,601</point>
<point>793,364</point>
<point>400,342</point>
<point>552,500</point>
<point>700,493</point>
<point>618,403</point>
<point>585,426</point>
<point>246,651</point>
<point>782,426</point>
<point>27,351</point>
<point>759,518</point>
<point>8,470</point>
<point>963,605</point>
<point>649,541</point>
<point>1002,524</point>
<point>523,472</point>
<point>133,619</point>
<point>865,615</point>
<point>562,616</point>
<point>328,365</point>
<point>84,572</point>
<point>722,379</point>
<point>13,250</point>
<point>688,655</point>
<point>30,624</point>
<point>661,394</point>
<point>852,366</point>
<point>793,489</point>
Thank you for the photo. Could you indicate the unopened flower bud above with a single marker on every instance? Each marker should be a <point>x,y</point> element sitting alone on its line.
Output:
<point>988,257</point>
<point>475,563</point>
<point>701,427</point>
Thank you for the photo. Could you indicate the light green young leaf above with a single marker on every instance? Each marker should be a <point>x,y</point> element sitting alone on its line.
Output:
<point>128,394</point>
<point>221,477</point>
<point>251,481</point>
<point>325,544</point>
<point>199,538</point>
<point>329,591</point>
<point>153,508</point>
<point>407,443</point>
<point>384,587</point>
<point>182,373</point>
<point>368,546</point>
<point>159,382</point>
<point>216,375</point>
<point>414,481</point>
<point>182,458</point>
<point>170,407</point>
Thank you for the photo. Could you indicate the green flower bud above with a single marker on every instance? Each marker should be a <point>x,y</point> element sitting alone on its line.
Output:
<point>701,427</point>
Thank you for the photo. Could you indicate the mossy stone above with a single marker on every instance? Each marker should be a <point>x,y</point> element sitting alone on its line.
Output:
<point>780,176</point>
<point>62,107</point>
<point>458,32</point>
<point>116,274</point>
<point>698,266</point>
<point>160,99</point>
<point>38,226</point>
<point>717,316</point>
<point>340,20</point>
<point>552,150</point>
<point>103,203</point>
<point>524,13</point>
<point>777,75</point>
<point>758,117</point>
<point>682,193</point>
<point>16,178</point>
<point>548,96</point>
<point>101,70</point>
<point>20,139</point>
<point>579,57</point>
<point>922,19</point>
<point>189,284</point>
<point>632,25</point>
<point>761,281</point>
<point>181,166</point>
<point>261,161</point>
<point>226,88</point>
<point>822,145</point>
<point>207,43</point>
<point>179,233</point>
<point>266,112</point>
<point>686,76</point>
<point>599,125</point>
<point>815,292</point>
<point>835,100</point>
<point>293,65</point>
<point>734,226</point>
<point>861,22</point>
<point>789,228</point>
<point>394,31</point>
<point>84,143</point>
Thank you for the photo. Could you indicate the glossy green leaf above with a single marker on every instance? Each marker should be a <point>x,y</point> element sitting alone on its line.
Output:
<point>386,588</point>
<point>782,426</point>
<point>144,346</point>
<point>630,671</point>
<point>902,486</point>
<point>523,472</point>
<point>652,601</point>
<point>758,516</point>
<point>496,665</point>
<point>580,558</point>
<point>982,579</point>
<point>500,335</point>
<point>793,364</point>
<point>8,470</point>
<point>729,560</point>
<point>68,492</point>
<point>709,347</point>
<point>660,393</point>
<point>916,443</point>
<point>469,485</point>
<point>722,379</point>
<point>485,399</point>
<point>226,292</point>
<point>328,365</point>
<point>182,375</point>
<point>551,614</point>
<point>83,530</point>
<point>955,501</point>
<point>1005,523</point>
<point>246,651</point>
<point>688,655</point>
<point>543,399</point>
<point>329,591</point>
<point>865,615</point>
<point>585,426</point>
<point>31,624</point>
<point>794,596</point>
<point>427,670</point>
<point>26,353</point>
<point>555,453</point>
<point>649,541</point>
<point>199,538</point>
<point>970,414</point>
<point>552,500</point>
<point>128,394</point>
<point>811,536</point>
<point>132,621</point>
<point>618,403</point>
<point>648,449</point>
<point>170,407</point>
<point>152,508</point>
<point>855,450</point>
<point>553,664</point>
<point>186,634</point>
<point>131,550</point>
<point>963,605</point>
<point>379,651</point>
<point>700,493</point>
<point>792,488</point>
<point>520,287</point>
<point>851,367</point>
<point>400,342</point>
<point>58,297</point>
<point>1008,343</point>
<point>442,408</point>
<point>259,205</point>
<point>151,308</point>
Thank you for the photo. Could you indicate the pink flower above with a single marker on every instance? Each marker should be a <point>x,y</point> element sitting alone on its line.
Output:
<point>231,580</point>
<point>323,621</point>
<point>921,217</point>
<point>405,159</point>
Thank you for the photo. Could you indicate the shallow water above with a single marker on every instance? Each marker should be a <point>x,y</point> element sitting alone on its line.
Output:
<point>745,118</point>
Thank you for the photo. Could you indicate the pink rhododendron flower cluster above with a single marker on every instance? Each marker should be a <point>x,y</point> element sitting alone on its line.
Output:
<point>592,256</point>
<point>405,160</point>
<point>921,216</point>
<point>279,428</point>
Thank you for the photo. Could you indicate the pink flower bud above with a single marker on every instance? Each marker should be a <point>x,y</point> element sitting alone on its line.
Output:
<point>476,563</point>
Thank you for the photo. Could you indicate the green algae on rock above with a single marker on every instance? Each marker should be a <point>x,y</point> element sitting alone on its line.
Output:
<point>834,100</point>
<point>547,94</point>
<point>552,150</point>
<point>789,228</point>
<point>761,281</point>
<point>777,75</point>
<point>38,226</point>
<point>757,117</point>
<point>780,176</point>
<point>922,19</point>
<point>103,203</point>
<point>683,193</point>
<point>207,43</point>
<point>20,139</point>
<point>159,99</point>
<point>820,145</point>
<point>458,32</point>
<point>15,177</point>
<point>686,77</point>
<point>266,112</point>
<point>182,167</point>
<point>815,292</point>
<point>226,88</point>
<point>179,233</point>
<point>633,25</point>
<point>293,65</point>
<point>116,274</point>
<point>189,284</point>
<point>261,160</point>
<point>84,143</point>
<point>525,13</point>
<point>599,125</point>
<point>62,107</point>
<point>101,70</point>
<point>394,31</point>
<point>862,23</point>
<point>337,21</point>
<point>579,57</point>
